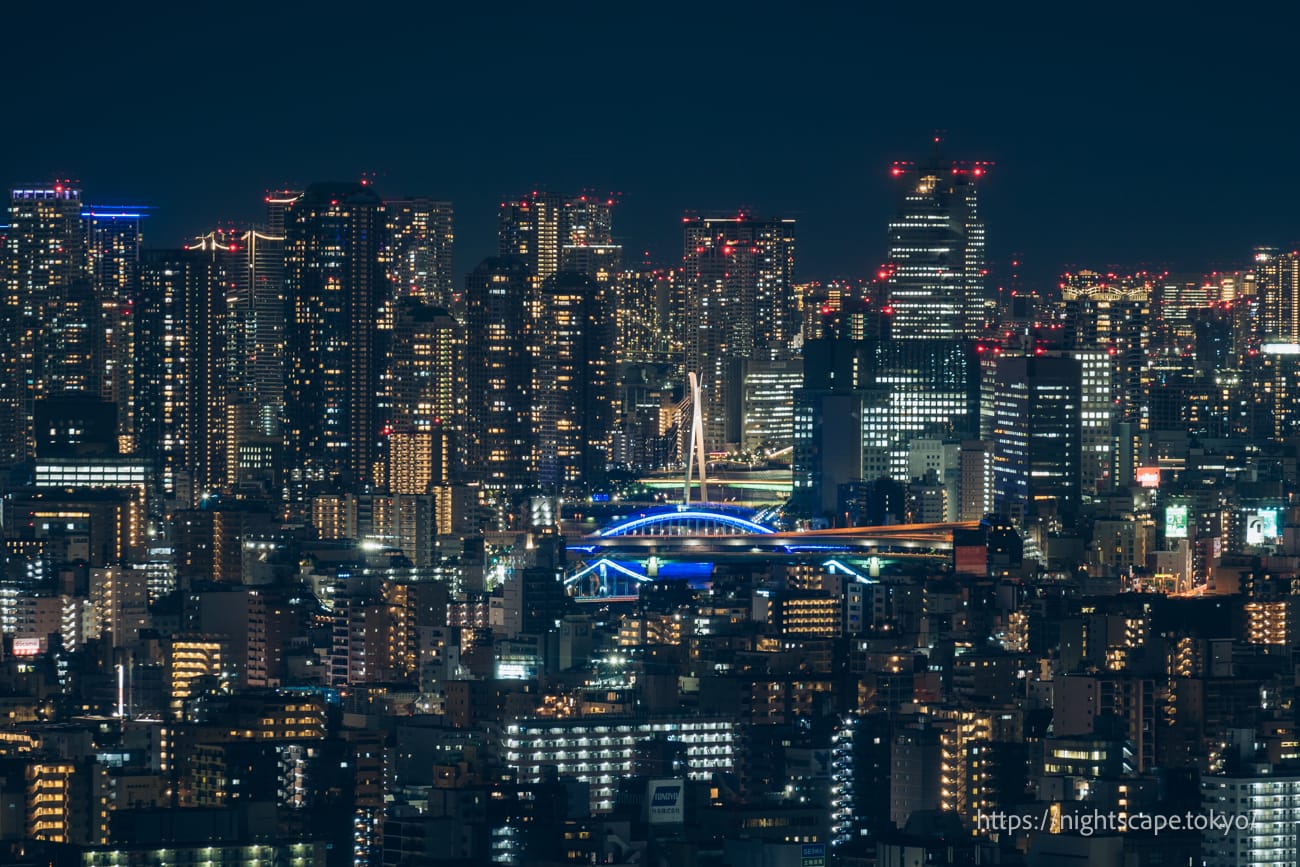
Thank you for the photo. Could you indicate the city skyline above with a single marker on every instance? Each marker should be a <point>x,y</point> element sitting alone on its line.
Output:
<point>1140,171</point>
<point>747,436</point>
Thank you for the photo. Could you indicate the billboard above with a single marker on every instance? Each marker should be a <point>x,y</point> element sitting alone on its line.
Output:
<point>27,647</point>
<point>1176,522</point>
<point>1148,477</point>
<point>666,802</point>
<point>1263,526</point>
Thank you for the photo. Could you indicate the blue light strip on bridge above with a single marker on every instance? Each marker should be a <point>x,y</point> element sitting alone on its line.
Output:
<point>617,567</point>
<point>627,527</point>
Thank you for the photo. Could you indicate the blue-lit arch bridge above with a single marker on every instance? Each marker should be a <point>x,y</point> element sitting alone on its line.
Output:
<point>685,542</point>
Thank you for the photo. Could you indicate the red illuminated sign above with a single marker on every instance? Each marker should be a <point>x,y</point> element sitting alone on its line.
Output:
<point>1148,477</point>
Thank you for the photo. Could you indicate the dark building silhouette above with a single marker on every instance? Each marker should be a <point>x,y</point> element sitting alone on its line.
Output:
<point>334,285</point>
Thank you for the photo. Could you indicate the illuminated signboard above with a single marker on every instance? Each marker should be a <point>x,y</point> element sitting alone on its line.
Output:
<point>1263,526</point>
<point>27,647</point>
<point>1148,477</point>
<point>1281,348</point>
<point>666,804</point>
<point>1176,522</point>
<point>512,671</point>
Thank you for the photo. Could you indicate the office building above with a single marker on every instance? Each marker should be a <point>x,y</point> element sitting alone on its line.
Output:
<point>1096,414</point>
<point>976,480</point>
<point>768,401</point>
<point>1114,313</point>
<point>931,390</point>
<point>1036,436</point>
<point>827,423</point>
<point>935,273</point>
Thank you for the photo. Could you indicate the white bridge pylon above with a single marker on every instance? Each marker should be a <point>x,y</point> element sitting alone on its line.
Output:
<point>695,451</point>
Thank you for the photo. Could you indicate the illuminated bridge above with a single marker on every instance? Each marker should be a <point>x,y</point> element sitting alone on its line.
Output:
<point>685,542</point>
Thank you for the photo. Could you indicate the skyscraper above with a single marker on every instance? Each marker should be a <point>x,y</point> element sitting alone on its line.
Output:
<point>1036,437</point>
<point>572,328</point>
<point>420,240</point>
<point>649,326</point>
<point>1114,313</point>
<point>45,305</point>
<point>424,367</point>
<point>113,245</point>
<point>162,358</point>
<point>933,389</point>
<point>1279,295</point>
<point>538,227</point>
<point>935,275</point>
<point>498,438</point>
<point>213,276</point>
<point>828,422</point>
<point>259,334</point>
<point>740,304</point>
<point>182,386</point>
<point>334,286</point>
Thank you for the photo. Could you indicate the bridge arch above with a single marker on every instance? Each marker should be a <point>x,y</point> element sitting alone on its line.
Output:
<point>685,522</point>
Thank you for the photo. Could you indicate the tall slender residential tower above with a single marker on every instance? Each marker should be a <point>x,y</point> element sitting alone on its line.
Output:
<point>334,285</point>
<point>935,274</point>
<point>740,305</point>
<point>113,247</point>
<point>498,436</point>
<point>182,385</point>
<point>420,240</point>
<point>540,226</point>
<point>47,340</point>
<point>259,312</point>
<point>1279,295</point>
<point>571,336</point>
<point>424,366</point>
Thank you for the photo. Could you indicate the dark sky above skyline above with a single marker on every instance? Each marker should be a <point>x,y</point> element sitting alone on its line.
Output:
<point>1121,135</point>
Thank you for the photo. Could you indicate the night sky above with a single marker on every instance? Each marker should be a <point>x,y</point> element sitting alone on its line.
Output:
<point>1119,137</point>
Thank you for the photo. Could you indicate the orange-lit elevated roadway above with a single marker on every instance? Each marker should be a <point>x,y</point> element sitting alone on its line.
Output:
<point>695,534</point>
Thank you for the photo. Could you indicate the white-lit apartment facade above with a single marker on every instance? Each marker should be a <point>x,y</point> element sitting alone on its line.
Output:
<point>601,751</point>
